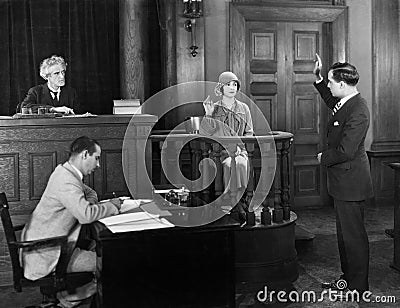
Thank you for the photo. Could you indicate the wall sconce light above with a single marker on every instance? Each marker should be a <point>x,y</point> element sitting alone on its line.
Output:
<point>192,9</point>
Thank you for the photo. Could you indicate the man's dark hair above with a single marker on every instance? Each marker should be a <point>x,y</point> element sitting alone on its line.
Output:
<point>345,72</point>
<point>82,144</point>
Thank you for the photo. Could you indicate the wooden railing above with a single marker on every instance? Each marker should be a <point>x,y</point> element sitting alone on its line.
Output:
<point>268,160</point>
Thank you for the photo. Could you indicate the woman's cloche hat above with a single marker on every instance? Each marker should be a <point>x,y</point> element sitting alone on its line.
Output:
<point>224,78</point>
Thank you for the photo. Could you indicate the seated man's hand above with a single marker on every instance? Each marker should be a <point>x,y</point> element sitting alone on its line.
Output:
<point>117,202</point>
<point>62,109</point>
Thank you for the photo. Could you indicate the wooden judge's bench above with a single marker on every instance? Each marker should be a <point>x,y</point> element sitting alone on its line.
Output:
<point>30,149</point>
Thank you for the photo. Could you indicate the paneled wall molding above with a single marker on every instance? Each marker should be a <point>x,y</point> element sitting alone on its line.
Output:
<point>385,115</point>
<point>383,146</point>
<point>291,2</point>
<point>41,165</point>
<point>386,82</point>
<point>9,168</point>
<point>288,10</point>
<point>383,175</point>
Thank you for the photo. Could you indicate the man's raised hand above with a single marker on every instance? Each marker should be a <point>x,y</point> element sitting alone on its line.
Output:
<point>318,67</point>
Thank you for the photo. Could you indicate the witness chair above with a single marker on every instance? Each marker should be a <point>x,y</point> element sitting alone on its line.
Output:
<point>50,284</point>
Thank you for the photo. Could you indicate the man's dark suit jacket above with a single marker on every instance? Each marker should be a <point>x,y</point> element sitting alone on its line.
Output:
<point>349,177</point>
<point>40,96</point>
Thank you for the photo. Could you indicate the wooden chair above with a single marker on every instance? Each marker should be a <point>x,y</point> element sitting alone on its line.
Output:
<point>50,284</point>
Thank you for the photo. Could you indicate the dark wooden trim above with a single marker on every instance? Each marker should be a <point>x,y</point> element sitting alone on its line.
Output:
<point>272,11</point>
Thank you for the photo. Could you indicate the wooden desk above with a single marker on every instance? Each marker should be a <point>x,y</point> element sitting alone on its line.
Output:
<point>175,267</point>
<point>195,266</point>
<point>396,257</point>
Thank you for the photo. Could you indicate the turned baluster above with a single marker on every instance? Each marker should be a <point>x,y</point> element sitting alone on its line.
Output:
<point>250,185</point>
<point>195,157</point>
<point>285,179</point>
<point>233,174</point>
<point>205,150</point>
<point>276,186</point>
<point>216,157</point>
<point>163,157</point>
<point>267,155</point>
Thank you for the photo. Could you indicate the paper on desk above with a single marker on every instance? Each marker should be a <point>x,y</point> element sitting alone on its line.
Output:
<point>129,204</point>
<point>129,217</point>
<point>155,223</point>
<point>153,208</point>
<point>84,115</point>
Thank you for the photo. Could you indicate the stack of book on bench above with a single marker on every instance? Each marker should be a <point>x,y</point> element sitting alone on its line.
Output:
<point>127,106</point>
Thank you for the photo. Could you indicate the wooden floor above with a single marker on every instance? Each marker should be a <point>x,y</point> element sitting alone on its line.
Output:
<point>318,262</point>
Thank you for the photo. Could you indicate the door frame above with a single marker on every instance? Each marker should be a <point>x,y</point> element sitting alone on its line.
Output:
<point>334,30</point>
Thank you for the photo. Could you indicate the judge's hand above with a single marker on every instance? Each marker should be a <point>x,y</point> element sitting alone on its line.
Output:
<point>208,105</point>
<point>62,109</point>
<point>318,67</point>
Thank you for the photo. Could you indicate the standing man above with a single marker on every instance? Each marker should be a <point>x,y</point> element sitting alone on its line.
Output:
<point>65,205</point>
<point>53,94</point>
<point>349,178</point>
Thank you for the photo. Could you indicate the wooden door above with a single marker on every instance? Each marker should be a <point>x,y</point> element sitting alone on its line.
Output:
<point>279,64</point>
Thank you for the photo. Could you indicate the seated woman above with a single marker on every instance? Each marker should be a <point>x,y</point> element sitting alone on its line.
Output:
<point>229,117</point>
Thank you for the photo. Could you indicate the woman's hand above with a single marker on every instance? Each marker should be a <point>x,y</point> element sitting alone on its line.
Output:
<point>208,105</point>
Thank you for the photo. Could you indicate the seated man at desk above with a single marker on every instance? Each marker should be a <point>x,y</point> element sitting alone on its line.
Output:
<point>53,94</point>
<point>65,205</point>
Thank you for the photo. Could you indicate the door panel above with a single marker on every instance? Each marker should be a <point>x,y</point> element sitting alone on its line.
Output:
<point>280,62</point>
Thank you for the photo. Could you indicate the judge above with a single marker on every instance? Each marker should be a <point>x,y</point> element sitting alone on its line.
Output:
<point>53,94</point>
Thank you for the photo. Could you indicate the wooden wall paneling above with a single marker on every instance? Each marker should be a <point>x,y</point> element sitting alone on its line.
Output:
<point>278,11</point>
<point>216,33</point>
<point>41,165</point>
<point>112,169</point>
<point>304,2</point>
<point>383,175</point>
<point>303,111</point>
<point>189,68</point>
<point>340,38</point>
<point>262,76</point>
<point>9,168</point>
<point>237,46</point>
<point>386,81</point>
<point>385,114</point>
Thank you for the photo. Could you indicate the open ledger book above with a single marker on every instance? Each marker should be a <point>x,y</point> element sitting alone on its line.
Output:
<point>126,222</point>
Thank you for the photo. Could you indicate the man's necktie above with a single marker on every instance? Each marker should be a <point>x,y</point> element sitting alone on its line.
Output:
<point>54,95</point>
<point>337,107</point>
